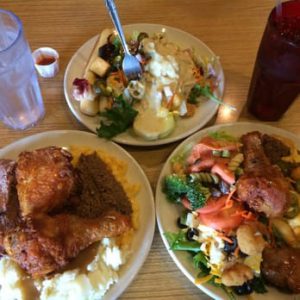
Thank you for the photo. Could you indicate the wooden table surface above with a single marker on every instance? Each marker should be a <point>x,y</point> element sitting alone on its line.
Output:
<point>232,29</point>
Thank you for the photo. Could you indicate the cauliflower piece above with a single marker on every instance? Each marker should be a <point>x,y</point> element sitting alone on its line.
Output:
<point>136,89</point>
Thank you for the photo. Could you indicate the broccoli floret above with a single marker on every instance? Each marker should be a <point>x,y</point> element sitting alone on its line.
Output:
<point>196,195</point>
<point>177,186</point>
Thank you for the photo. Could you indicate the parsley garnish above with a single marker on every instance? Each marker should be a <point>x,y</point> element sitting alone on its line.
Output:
<point>117,119</point>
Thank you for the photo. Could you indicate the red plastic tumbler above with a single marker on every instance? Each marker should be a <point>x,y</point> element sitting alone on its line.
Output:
<point>275,81</point>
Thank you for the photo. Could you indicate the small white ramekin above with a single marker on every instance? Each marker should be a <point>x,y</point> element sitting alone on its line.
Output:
<point>46,61</point>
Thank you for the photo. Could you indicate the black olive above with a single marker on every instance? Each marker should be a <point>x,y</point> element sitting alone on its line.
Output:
<point>224,187</point>
<point>107,51</point>
<point>230,247</point>
<point>180,224</point>
<point>244,289</point>
<point>191,232</point>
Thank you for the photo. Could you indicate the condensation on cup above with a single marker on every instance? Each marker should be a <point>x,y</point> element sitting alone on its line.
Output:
<point>21,103</point>
<point>275,81</point>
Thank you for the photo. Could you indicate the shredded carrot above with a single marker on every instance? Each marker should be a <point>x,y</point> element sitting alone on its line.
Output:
<point>110,102</point>
<point>122,77</point>
<point>236,251</point>
<point>170,102</point>
<point>198,77</point>
<point>248,215</point>
<point>225,238</point>
<point>228,204</point>
<point>230,194</point>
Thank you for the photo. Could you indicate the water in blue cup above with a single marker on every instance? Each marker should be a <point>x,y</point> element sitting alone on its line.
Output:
<point>21,103</point>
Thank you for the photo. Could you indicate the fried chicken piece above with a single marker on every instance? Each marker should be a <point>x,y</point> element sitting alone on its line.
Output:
<point>262,186</point>
<point>281,268</point>
<point>9,205</point>
<point>45,179</point>
<point>7,182</point>
<point>46,244</point>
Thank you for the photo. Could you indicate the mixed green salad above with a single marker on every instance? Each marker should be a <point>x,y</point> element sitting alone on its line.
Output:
<point>173,85</point>
<point>224,236</point>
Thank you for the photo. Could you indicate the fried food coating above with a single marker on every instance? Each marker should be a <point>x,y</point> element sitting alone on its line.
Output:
<point>7,182</point>
<point>47,243</point>
<point>9,205</point>
<point>45,179</point>
<point>262,186</point>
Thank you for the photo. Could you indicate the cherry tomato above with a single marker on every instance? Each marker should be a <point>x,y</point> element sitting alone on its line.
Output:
<point>223,219</point>
<point>212,205</point>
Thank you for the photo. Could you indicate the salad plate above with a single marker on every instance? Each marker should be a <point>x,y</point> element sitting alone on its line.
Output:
<point>167,213</point>
<point>184,126</point>
<point>143,236</point>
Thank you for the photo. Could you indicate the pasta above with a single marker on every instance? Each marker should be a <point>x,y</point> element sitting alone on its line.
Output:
<point>235,162</point>
<point>204,177</point>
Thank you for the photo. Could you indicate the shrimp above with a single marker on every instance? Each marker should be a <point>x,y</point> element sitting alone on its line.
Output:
<point>250,240</point>
<point>236,275</point>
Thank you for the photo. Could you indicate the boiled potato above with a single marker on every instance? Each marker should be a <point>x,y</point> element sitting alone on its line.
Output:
<point>99,66</point>
<point>89,107</point>
<point>104,103</point>
<point>101,40</point>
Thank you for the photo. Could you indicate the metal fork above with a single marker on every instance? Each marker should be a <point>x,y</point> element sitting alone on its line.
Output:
<point>131,66</point>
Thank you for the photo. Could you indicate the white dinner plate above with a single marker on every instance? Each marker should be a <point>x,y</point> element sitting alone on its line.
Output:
<point>144,235</point>
<point>167,213</point>
<point>184,127</point>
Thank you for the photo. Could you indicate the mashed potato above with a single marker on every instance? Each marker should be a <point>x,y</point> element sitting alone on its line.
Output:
<point>12,279</point>
<point>86,282</point>
<point>89,284</point>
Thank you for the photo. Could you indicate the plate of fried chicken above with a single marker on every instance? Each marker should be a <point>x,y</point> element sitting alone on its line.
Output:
<point>228,210</point>
<point>67,197</point>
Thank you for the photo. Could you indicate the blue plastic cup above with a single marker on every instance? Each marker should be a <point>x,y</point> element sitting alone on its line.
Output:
<point>21,103</point>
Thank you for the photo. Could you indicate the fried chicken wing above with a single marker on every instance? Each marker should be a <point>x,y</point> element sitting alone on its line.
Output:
<point>9,205</point>
<point>45,179</point>
<point>262,186</point>
<point>47,243</point>
<point>7,182</point>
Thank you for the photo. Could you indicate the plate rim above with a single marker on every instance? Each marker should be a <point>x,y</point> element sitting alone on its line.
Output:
<point>148,143</point>
<point>134,263</point>
<point>208,290</point>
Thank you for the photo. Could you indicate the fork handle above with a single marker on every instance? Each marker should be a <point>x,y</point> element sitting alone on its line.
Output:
<point>110,4</point>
